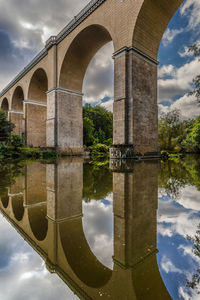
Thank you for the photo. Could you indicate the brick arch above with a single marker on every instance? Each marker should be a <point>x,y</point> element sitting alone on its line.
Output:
<point>17,99</point>
<point>79,54</point>
<point>5,105</point>
<point>38,86</point>
<point>36,109</point>
<point>151,23</point>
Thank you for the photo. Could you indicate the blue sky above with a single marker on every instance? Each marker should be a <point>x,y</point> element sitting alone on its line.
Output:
<point>25,25</point>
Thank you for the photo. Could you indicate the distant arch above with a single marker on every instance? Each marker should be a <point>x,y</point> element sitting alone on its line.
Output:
<point>38,86</point>
<point>5,200</point>
<point>18,99</point>
<point>36,109</point>
<point>79,54</point>
<point>5,105</point>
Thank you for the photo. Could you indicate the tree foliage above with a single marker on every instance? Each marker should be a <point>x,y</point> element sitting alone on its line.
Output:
<point>178,135</point>
<point>6,127</point>
<point>195,50</point>
<point>97,125</point>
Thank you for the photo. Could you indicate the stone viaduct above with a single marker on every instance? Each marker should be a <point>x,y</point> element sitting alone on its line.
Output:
<point>45,99</point>
<point>52,224</point>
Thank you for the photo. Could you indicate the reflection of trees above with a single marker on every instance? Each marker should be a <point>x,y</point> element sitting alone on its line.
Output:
<point>174,175</point>
<point>8,173</point>
<point>97,184</point>
<point>194,283</point>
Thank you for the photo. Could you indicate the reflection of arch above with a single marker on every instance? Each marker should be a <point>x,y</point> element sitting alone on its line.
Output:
<point>151,23</point>
<point>5,201</point>
<point>5,105</point>
<point>18,208</point>
<point>79,256</point>
<point>79,54</point>
<point>147,280</point>
<point>38,86</point>
<point>38,221</point>
<point>17,99</point>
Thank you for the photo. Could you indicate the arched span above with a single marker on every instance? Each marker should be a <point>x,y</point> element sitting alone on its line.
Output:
<point>79,256</point>
<point>18,207</point>
<point>151,23</point>
<point>17,99</point>
<point>38,221</point>
<point>38,86</point>
<point>5,200</point>
<point>5,105</point>
<point>36,109</point>
<point>79,55</point>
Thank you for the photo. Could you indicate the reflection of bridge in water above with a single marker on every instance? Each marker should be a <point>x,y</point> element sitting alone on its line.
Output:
<point>45,207</point>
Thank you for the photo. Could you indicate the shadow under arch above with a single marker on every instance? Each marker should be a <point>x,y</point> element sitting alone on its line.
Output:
<point>151,23</point>
<point>79,54</point>
<point>79,255</point>
<point>18,207</point>
<point>17,99</point>
<point>5,106</point>
<point>36,109</point>
<point>38,86</point>
<point>38,221</point>
<point>5,200</point>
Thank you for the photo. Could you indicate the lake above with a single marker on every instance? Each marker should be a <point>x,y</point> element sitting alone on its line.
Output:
<point>72,230</point>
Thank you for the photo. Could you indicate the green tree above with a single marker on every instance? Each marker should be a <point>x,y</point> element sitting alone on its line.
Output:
<point>192,141</point>
<point>170,128</point>
<point>6,127</point>
<point>102,121</point>
<point>88,131</point>
<point>195,50</point>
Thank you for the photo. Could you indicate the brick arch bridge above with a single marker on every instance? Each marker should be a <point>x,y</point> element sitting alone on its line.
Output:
<point>50,87</point>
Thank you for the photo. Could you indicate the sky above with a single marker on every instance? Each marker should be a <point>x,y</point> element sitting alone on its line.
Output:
<point>25,25</point>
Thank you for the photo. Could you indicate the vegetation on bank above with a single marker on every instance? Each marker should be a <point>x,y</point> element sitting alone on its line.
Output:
<point>97,131</point>
<point>177,135</point>
<point>97,124</point>
<point>12,144</point>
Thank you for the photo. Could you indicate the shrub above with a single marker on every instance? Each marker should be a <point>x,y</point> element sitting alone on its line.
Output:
<point>16,140</point>
<point>99,151</point>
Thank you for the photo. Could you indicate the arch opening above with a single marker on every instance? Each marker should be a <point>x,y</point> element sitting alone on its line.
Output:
<point>36,109</point>
<point>5,106</point>
<point>75,63</point>
<point>81,51</point>
<point>16,114</point>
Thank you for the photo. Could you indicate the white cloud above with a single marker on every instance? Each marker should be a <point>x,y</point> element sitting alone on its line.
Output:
<point>189,197</point>
<point>166,70</point>
<point>180,82</point>
<point>108,105</point>
<point>191,9</point>
<point>98,81</point>
<point>98,229</point>
<point>188,107</point>
<point>170,35</point>
<point>23,274</point>
<point>168,266</point>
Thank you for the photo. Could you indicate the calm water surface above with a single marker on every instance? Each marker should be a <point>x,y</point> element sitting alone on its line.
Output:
<point>69,230</point>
